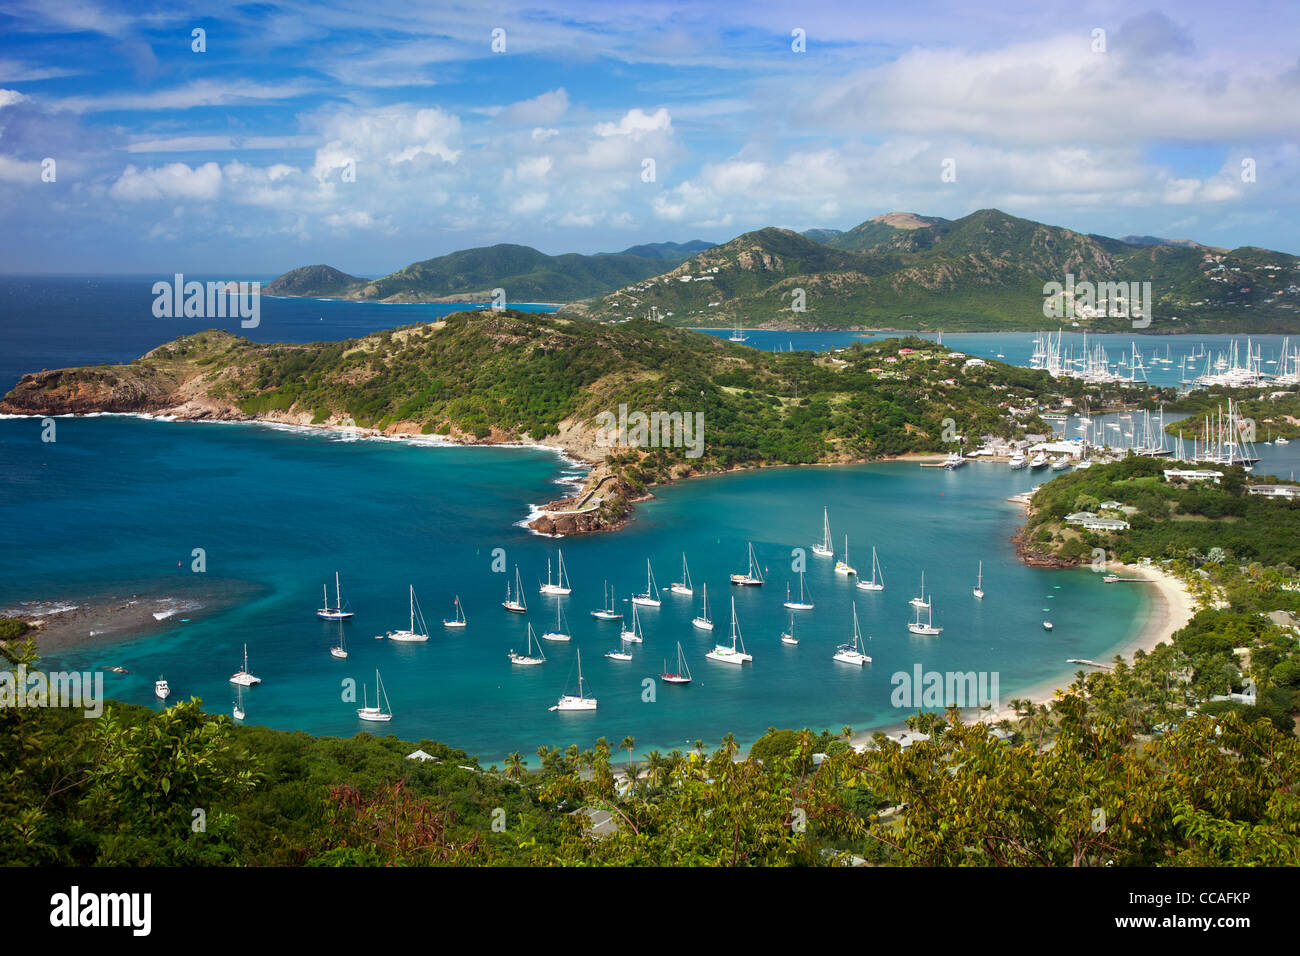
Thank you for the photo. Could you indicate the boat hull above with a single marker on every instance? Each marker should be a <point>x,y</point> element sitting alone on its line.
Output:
<point>556,636</point>
<point>702,624</point>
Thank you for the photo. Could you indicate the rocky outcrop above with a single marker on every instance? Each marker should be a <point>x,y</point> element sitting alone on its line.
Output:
<point>81,391</point>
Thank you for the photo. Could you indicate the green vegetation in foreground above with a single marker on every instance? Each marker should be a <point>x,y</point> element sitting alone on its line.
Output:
<point>1190,521</point>
<point>1176,787</point>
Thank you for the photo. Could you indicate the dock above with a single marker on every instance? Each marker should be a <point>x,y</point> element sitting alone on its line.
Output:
<point>1074,660</point>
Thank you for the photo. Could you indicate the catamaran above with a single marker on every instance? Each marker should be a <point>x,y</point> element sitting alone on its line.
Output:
<point>843,567</point>
<point>518,604</point>
<point>378,713</point>
<point>920,601</point>
<point>459,619</point>
<point>340,611</point>
<point>824,550</point>
<point>928,628</point>
<point>787,637</point>
<point>979,583</point>
<point>704,622</point>
<point>580,702</point>
<point>341,652</point>
<point>560,587</point>
<point>237,711</point>
<point>561,632</point>
<point>683,673</point>
<point>607,613</point>
<point>651,596</point>
<point>853,653</point>
<point>161,690</point>
<point>876,572</point>
<point>801,604</point>
<point>243,677</point>
<point>527,659</point>
<point>684,586</point>
<point>753,577</point>
<point>633,635</point>
<point>411,635</point>
<point>732,654</point>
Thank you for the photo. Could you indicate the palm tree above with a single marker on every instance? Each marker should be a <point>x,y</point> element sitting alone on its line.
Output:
<point>516,767</point>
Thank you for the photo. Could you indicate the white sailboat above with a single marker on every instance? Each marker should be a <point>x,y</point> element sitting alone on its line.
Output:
<point>621,653</point>
<point>843,567</point>
<point>243,677</point>
<point>237,711</point>
<point>824,550</point>
<point>341,652</point>
<point>800,605</point>
<point>607,612</point>
<point>877,582</point>
<point>735,654</point>
<point>340,611</point>
<point>378,712</point>
<point>516,604</point>
<point>581,701</point>
<point>651,596</point>
<point>928,628</point>
<point>561,632</point>
<point>161,689</point>
<point>459,619</point>
<point>787,637</point>
<point>704,622</point>
<point>683,673</point>
<point>738,335</point>
<point>684,586</point>
<point>920,600</point>
<point>979,583</point>
<point>751,578</point>
<point>411,635</point>
<point>560,587</point>
<point>633,635</point>
<point>527,659</point>
<point>853,653</point>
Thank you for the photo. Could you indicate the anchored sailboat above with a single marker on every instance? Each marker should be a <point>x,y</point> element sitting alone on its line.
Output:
<point>843,567</point>
<point>562,586</point>
<point>621,653</point>
<point>340,611</point>
<point>561,632</point>
<point>787,637</point>
<point>411,635</point>
<point>800,605</point>
<point>979,583</point>
<point>853,653</point>
<point>684,586</point>
<point>607,612</point>
<point>928,628</point>
<point>161,690</point>
<point>753,577</point>
<point>651,596</point>
<point>518,604</point>
<point>735,654</point>
<point>341,652</point>
<point>459,619</point>
<point>877,582</point>
<point>527,659</point>
<point>378,712</point>
<point>237,711</point>
<point>243,677</point>
<point>920,600</point>
<point>824,550</point>
<point>581,701</point>
<point>633,635</point>
<point>683,673</point>
<point>704,622</point>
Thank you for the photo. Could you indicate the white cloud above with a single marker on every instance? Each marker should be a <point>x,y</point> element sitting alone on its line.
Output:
<point>172,181</point>
<point>10,97</point>
<point>546,108</point>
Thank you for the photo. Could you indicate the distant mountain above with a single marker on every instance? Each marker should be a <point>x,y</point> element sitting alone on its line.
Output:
<point>879,229</point>
<point>1157,241</point>
<point>983,271</point>
<point>670,251</point>
<point>470,275</point>
<point>821,235</point>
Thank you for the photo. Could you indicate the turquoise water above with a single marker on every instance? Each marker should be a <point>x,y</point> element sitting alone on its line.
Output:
<point>120,500</point>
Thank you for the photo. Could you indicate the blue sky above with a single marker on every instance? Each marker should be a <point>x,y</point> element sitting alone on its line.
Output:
<point>367,138</point>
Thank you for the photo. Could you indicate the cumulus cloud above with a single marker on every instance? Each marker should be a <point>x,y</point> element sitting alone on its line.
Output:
<point>172,181</point>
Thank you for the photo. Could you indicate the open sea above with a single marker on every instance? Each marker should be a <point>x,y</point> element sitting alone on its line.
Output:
<point>118,504</point>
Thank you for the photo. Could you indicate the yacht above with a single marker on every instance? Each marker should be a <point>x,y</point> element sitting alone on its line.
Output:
<point>800,605</point>
<point>787,637</point>
<point>341,611</point>
<point>734,654</point>
<point>651,596</point>
<point>955,460</point>
<point>920,599</point>
<point>581,701</point>
<point>683,673</point>
<point>161,690</point>
<point>684,586</point>
<point>412,636</point>
<point>560,587</point>
<point>561,632</point>
<point>1039,461</point>
<point>244,678</point>
<point>378,712</point>
<point>824,550</point>
<point>1017,462</point>
<point>527,659</point>
<point>516,604</point>
<point>843,567</point>
<point>928,629</point>
<point>852,653</point>
<point>753,577</point>
<point>633,634</point>
<point>607,612</point>
<point>704,622</point>
<point>459,619</point>
<point>978,591</point>
<point>877,582</point>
